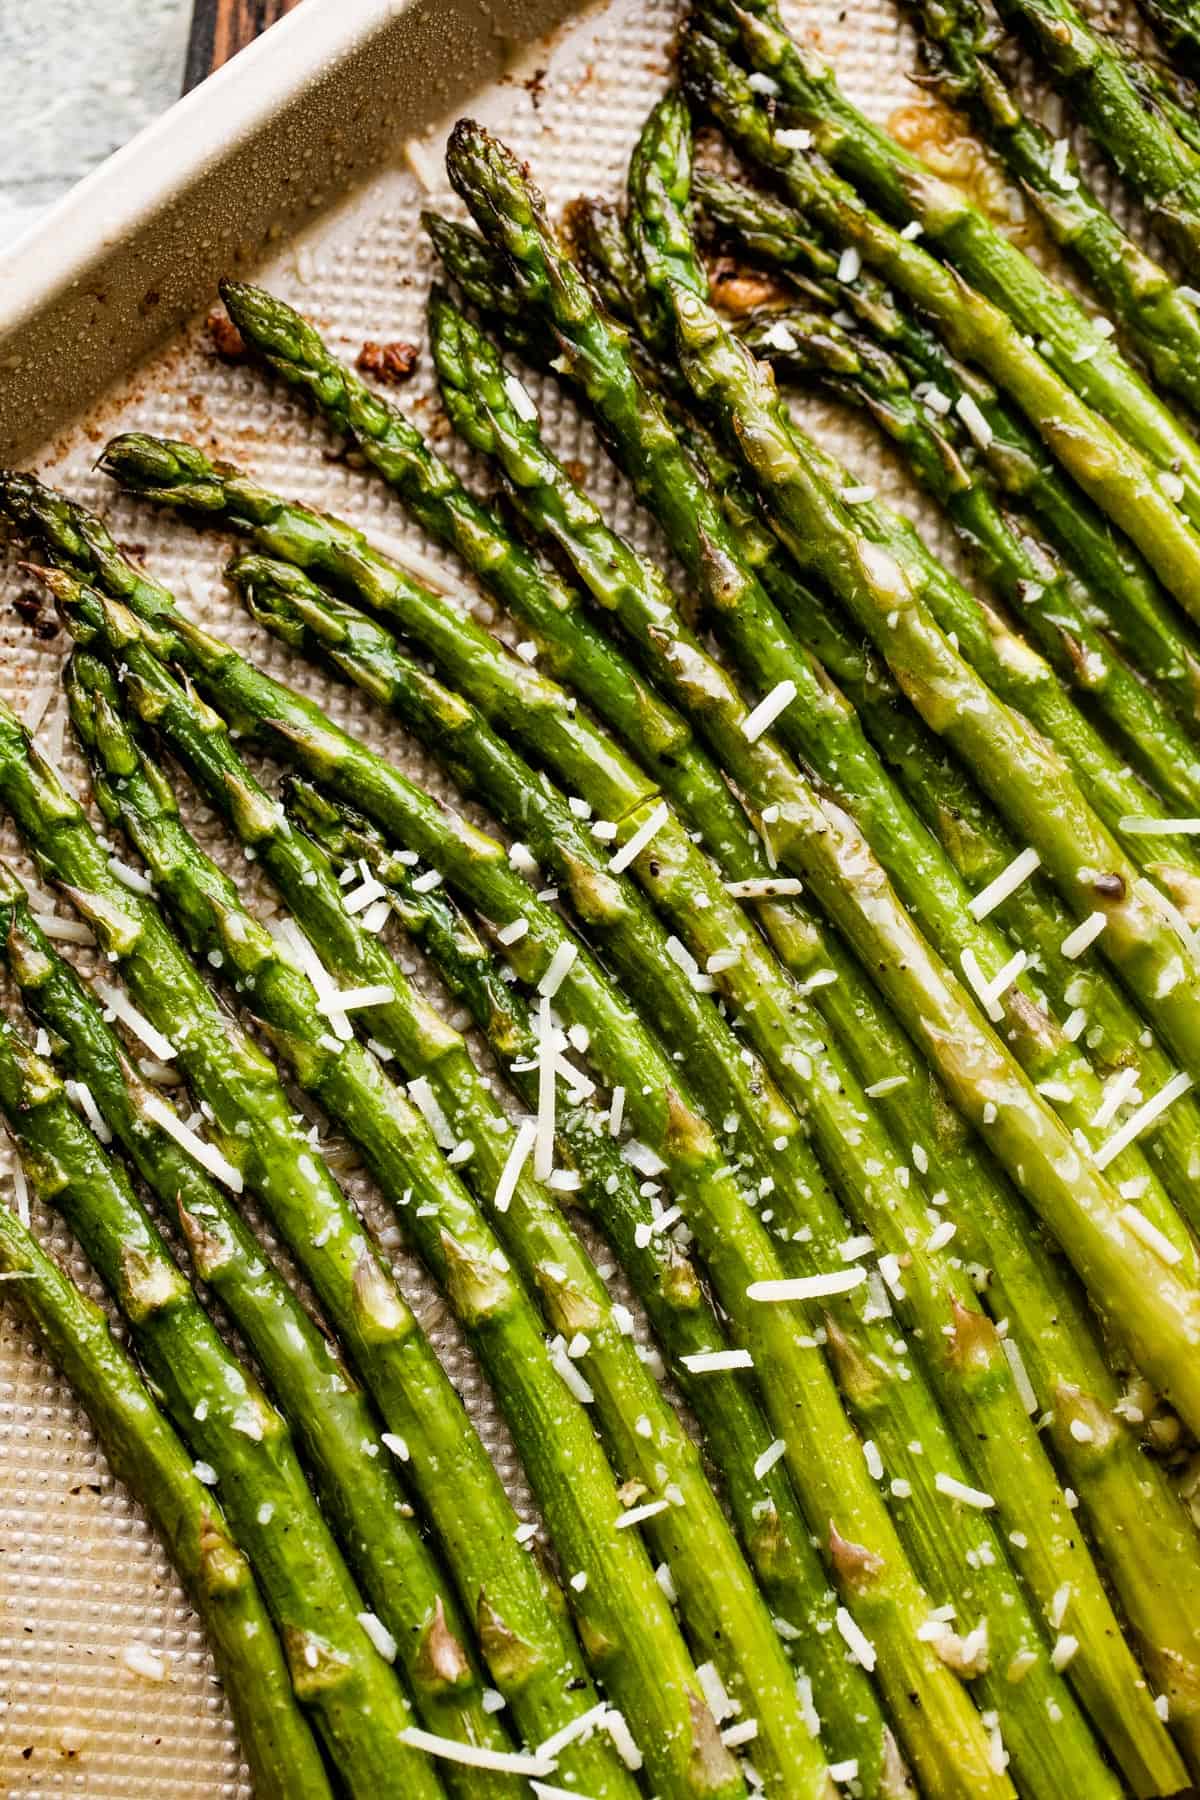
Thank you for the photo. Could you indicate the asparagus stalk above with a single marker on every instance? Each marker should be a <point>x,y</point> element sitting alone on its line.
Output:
<point>144,1452</point>
<point>739,1440</point>
<point>938,1728</point>
<point>1132,478</point>
<point>522,1627</point>
<point>336,1426</point>
<point>241,1443</point>
<point>1157,638</point>
<point>1162,320</point>
<point>1057,606</point>
<point>1142,144</point>
<point>578,653</point>
<point>882,584</point>
<point>647,1671</point>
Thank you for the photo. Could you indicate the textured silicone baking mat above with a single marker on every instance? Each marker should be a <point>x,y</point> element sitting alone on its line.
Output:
<point>81,1576</point>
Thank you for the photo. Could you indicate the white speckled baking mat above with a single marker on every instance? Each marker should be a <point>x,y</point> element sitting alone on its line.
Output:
<point>81,1577</point>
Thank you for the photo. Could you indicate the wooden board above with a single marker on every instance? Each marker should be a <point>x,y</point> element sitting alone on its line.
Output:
<point>220,28</point>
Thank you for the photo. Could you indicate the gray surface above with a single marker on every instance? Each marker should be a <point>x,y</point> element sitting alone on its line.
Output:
<point>76,81</point>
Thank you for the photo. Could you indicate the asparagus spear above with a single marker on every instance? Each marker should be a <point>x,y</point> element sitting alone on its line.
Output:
<point>940,1732</point>
<point>740,1442</point>
<point>1161,166</point>
<point>1058,607</point>
<point>1132,478</point>
<point>145,1454</point>
<point>882,584</point>
<point>241,1443</point>
<point>336,1426</point>
<point>1162,320</point>
<point>690,1535</point>
<point>1157,638</point>
<point>647,1671</point>
<point>523,1633</point>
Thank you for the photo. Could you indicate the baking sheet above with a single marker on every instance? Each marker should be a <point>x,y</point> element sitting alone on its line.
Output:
<point>81,1576</point>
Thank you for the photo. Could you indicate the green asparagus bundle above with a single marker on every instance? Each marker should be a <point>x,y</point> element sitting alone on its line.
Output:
<point>1161,318</point>
<point>293,607</point>
<point>971,833</point>
<point>116,573</point>
<point>881,1599</point>
<point>505,201</point>
<point>1143,144</point>
<point>336,1426</point>
<point>580,655</point>
<point>716,1593</point>
<point>145,1454</point>
<point>739,1440</point>
<point>180,475</point>
<point>324,543</point>
<point>339,1670</point>
<point>1156,638</point>
<point>1058,607</point>
<point>917,1420</point>
<point>666,478</point>
<point>551,1428</point>
<point>987,1410</point>
<point>1129,455</point>
<point>900,600</point>
<point>918,1428</point>
<point>908,193</point>
<point>523,1632</point>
